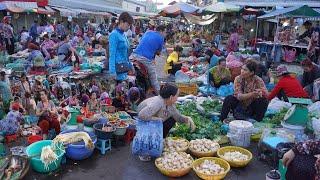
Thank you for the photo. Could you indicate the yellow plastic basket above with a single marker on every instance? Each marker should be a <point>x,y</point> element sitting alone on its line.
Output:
<point>173,173</point>
<point>223,150</point>
<point>224,164</point>
<point>202,154</point>
<point>176,138</point>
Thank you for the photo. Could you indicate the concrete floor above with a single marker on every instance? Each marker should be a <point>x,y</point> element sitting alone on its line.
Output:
<point>120,164</point>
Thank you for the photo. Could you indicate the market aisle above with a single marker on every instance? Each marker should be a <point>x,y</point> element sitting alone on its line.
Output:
<point>119,164</point>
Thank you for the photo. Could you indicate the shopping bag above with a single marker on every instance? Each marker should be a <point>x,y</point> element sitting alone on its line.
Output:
<point>148,139</point>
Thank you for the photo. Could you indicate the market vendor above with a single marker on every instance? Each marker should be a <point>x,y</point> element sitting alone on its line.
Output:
<point>47,113</point>
<point>162,107</point>
<point>313,33</point>
<point>220,74</point>
<point>287,86</point>
<point>36,58</point>
<point>72,100</point>
<point>197,47</point>
<point>93,104</point>
<point>11,124</point>
<point>249,99</point>
<point>310,75</point>
<point>66,52</point>
<point>301,163</point>
<point>135,96</point>
<point>172,64</point>
<point>48,47</point>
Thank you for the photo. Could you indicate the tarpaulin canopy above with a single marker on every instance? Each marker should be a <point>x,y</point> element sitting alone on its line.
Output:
<point>177,8</point>
<point>18,6</point>
<point>45,10</point>
<point>295,11</point>
<point>199,20</point>
<point>221,7</point>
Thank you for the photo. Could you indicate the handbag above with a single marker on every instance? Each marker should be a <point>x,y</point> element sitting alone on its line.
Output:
<point>123,67</point>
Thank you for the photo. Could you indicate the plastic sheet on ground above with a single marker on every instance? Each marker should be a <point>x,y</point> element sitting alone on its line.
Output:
<point>225,90</point>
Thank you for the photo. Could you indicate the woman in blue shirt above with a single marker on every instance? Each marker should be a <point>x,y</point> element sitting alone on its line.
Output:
<point>119,47</point>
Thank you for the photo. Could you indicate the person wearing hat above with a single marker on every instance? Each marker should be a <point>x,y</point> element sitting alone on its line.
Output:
<point>8,34</point>
<point>288,86</point>
<point>11,124</point>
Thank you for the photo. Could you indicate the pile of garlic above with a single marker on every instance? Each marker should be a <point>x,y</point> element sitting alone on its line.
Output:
<point>235,156</point>
<point>178,145</point>
<point>209,167</point>
<point>174,161</point>
<point>204,145</point>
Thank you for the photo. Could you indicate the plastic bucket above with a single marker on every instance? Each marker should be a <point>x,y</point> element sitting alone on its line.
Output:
<point>36,164</point>
<point>297,131</point>
<point>78,151</point>
<point>240,133</point>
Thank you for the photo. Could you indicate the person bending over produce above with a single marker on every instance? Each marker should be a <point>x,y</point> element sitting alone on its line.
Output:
<point>163,108</point>
<point>288,86</point>
<point>249,99</point>
<point>311,72</point>
<point>301,162</point>
<point>220,74</point>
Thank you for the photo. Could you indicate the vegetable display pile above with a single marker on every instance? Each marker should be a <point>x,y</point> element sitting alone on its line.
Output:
<point>174,161</point>
<point>206,128</point>
<point>235,156</point>
<point>172,144</point>
<point>210,106</point>
<point>276,118</point>
<point>209,167</point>
<point>204,145</point>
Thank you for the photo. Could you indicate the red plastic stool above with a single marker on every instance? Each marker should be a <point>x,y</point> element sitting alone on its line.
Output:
<point>130,133</point>
<point>11,138</point>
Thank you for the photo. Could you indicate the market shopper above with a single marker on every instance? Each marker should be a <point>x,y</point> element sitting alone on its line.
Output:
<point>301,163</point>
<point>48,47</point>
<point>310,75</point>
<point>287,86</point>
<point>220,74</point>
<point>8,34</point>
<point>173,64</point>
<point>34,30</point>
<point>5,92</point>
<point>47,113</point>
<point>66,53</point>
<point>60,29</point>
<point>162,107</point>
<point>151,44</point>
<point>249,99</point>
<point>313,33</point>
<point>119,63</point>
<point>233,41</point>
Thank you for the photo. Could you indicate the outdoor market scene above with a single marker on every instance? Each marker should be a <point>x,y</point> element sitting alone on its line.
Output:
<point>196,89</point>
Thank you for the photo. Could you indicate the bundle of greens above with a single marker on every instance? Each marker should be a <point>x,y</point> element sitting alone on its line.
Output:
<point>206,128</point>
<point>210,106</point>
<point>276,118</point>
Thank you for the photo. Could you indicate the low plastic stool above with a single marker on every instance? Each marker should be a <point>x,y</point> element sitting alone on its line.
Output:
<point>11,138</point>
<point>103,145</point>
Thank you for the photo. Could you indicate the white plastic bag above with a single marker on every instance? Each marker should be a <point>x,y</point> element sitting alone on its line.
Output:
<point>276,105</point>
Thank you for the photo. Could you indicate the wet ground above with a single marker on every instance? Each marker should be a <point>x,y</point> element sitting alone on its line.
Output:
<point>120,164</point>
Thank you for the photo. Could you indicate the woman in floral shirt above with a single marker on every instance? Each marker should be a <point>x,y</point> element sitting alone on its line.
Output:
<point>249,99</point>
<point>301,162</point>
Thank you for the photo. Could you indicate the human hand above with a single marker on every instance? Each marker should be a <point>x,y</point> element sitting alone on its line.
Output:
<point>191,124</point>
<point>287,158</point>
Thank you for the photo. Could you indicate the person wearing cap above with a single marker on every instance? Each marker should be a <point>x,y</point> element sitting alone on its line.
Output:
<point>8,34</point>
<point>288,86</point>
<point>11,124</point>
<point>5,91</point>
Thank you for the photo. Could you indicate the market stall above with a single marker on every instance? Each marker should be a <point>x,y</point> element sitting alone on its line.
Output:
<point>289,49</point>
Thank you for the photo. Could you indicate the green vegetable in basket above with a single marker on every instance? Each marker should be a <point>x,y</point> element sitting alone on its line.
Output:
<point>277,118</point>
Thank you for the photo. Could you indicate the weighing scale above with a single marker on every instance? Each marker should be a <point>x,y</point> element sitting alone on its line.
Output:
<point>298,114</point>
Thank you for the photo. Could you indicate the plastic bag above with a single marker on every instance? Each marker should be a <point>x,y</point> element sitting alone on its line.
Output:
<point>314,108</point>
<point>207,90</point>
<point>180,77</point>
<point>149,138</point>
<point>277,105</point>
<point>225,90</point>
